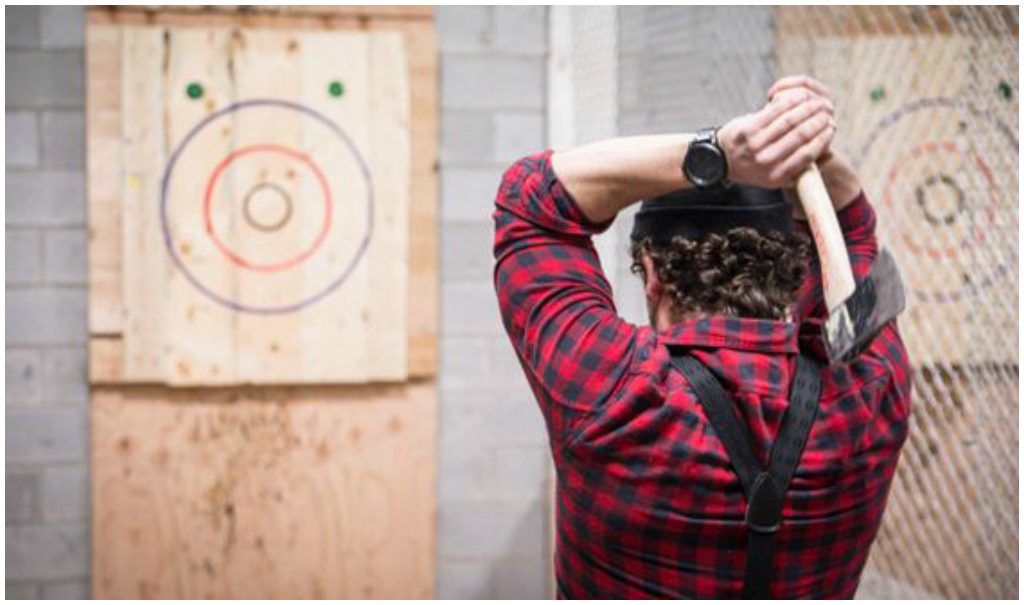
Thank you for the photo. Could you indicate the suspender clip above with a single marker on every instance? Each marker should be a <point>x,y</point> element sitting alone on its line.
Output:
<point>764,507</point>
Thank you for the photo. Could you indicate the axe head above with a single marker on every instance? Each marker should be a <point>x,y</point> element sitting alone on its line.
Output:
<point>876,301</point>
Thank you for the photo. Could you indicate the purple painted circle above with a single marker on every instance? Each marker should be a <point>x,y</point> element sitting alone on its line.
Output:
<point>928,103</point>
<point>316,296</point>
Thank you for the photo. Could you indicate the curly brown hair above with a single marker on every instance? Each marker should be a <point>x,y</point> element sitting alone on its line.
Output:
<point>744,273</point>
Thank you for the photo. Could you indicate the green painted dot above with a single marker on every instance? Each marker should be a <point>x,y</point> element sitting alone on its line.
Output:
<point>877,93</point>
<point>336,88</point>
<point>1005,90</point>
<point>194,90</point>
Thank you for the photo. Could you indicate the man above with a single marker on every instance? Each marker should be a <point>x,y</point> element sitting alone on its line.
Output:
<point>650,503</point>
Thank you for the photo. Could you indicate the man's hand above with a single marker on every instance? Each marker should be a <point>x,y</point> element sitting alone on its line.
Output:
<point>772,147</point>
<point>836,170</point>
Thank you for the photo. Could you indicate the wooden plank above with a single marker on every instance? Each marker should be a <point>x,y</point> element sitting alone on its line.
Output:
<point>145,263</point>
<point>103,166</point>
<point>310,17</point>
<point>389,157</point>
<point>424,276</point>
<point>106,360</point>
<point>375,12</point>
<point>195,330</point>
<point>268,65</point>
<point>275,493</point>
<point>343,316</point>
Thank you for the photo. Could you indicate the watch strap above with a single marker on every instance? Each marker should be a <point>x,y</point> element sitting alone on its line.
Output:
<point>707,135</point>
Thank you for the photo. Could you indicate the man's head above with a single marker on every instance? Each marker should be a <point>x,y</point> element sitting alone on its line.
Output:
<point>728,251</point>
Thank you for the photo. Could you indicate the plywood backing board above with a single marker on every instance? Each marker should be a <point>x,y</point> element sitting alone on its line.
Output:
<point>937,150</point>
<point>947,540</point>
<point>269,493</point>
<point>386,356</point>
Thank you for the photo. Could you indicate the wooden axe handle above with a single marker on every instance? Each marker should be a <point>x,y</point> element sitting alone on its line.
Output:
<point>836,273</point>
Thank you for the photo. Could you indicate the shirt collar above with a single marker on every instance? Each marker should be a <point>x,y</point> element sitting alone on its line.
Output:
<point>759,335</point>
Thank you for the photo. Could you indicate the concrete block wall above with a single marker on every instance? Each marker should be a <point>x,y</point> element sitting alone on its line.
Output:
<point>686,67</point>
<point>493,535</point>
<point>47,525</point>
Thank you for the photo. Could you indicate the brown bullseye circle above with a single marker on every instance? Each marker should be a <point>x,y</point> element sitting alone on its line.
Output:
<point>936,184</point>
<point>263,225</point>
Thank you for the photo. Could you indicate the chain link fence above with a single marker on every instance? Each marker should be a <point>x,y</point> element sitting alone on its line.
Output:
<point>927,105</point>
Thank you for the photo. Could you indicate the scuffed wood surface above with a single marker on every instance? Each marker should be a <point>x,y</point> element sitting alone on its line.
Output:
<point>264,494</point>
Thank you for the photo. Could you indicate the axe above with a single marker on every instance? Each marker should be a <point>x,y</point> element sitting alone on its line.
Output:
<point>857,311</point>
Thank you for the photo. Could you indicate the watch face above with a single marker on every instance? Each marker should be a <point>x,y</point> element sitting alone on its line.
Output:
<point>704,164</point>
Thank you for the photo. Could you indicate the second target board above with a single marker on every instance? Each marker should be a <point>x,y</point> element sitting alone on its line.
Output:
<point>936,145</point>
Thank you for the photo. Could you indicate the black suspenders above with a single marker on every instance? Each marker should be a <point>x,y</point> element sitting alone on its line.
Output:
<point>765,488</point>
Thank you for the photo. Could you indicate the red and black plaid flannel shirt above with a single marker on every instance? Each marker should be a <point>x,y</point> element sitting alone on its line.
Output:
<point>648,505</point>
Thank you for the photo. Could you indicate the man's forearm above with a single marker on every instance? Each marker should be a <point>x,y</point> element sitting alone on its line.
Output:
<point>607,176</point>
<point>768,148</point>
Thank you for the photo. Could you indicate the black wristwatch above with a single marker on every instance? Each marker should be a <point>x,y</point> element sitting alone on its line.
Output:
<point>705,165</point>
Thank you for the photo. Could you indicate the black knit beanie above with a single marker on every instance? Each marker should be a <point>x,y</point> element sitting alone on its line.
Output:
<point>693,213</point>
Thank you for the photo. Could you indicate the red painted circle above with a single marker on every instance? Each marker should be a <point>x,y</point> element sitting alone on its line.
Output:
<point>930,147</point>
<point>267,148</point>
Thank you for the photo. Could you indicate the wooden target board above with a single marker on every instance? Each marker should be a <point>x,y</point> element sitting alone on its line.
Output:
<point>262,196</point>
<point>250,199</point>
<point>933,130</point>
<point>265,494</point>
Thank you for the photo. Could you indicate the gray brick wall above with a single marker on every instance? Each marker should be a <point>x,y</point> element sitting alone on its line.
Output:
<point>685,67</point>
<point>47,530</point>
<point>493,522</point>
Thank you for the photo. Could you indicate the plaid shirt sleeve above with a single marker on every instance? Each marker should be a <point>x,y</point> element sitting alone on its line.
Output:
<point>555,302</point>
<point>857,221</point>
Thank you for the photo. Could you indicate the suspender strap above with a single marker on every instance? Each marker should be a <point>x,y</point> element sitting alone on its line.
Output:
<point>720,410</point>
<point>796,425</point>
<point>764,488</point>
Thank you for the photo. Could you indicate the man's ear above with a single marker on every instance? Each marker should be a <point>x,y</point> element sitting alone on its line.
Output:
<point>652,285</point>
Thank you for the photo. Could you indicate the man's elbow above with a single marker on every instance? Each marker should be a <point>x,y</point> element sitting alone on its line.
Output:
<point>517,178</point>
